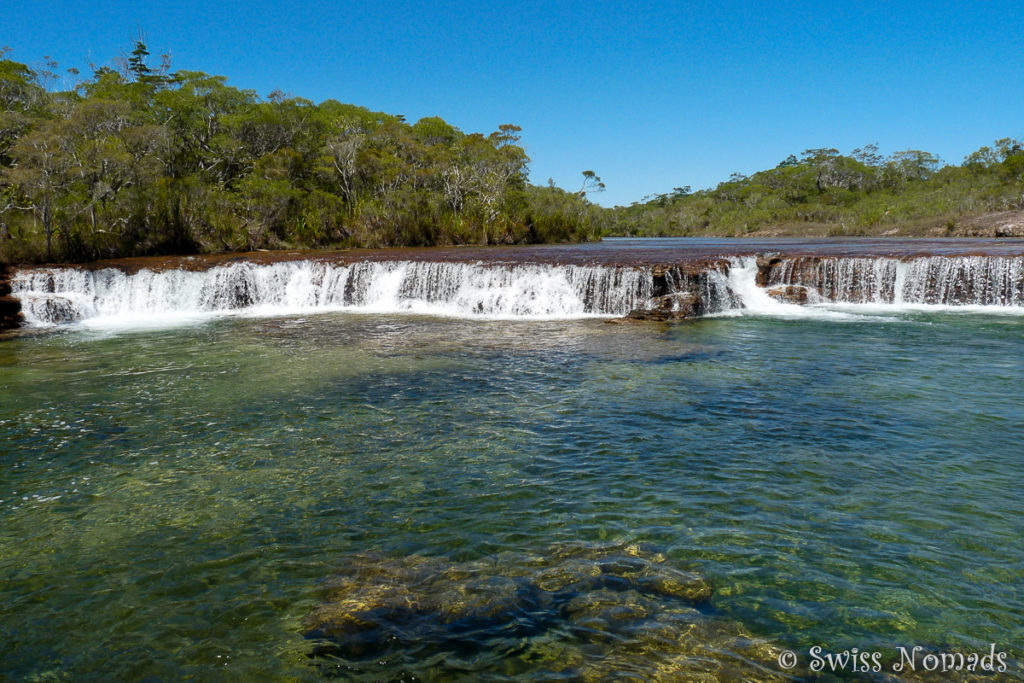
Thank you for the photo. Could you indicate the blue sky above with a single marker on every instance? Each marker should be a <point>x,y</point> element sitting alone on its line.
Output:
<point>650,95</point>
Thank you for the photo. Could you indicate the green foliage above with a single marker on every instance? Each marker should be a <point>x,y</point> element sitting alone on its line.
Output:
<point>139,160</point>
<point>826,193</point>
<point>18,89</point>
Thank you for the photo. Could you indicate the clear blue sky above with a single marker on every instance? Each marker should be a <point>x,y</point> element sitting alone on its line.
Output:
<point>650,95</point>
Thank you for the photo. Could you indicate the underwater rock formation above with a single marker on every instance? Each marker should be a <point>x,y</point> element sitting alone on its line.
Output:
<point>577,611</point>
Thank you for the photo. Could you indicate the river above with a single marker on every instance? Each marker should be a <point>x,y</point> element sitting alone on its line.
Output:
<point>307,488</point>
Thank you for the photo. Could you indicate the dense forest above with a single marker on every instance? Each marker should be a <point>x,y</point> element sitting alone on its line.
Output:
<point>139,160</point>
<point>826,193</point>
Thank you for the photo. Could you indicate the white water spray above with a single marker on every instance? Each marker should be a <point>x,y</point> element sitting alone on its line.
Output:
<point>537,291</point>
<point>932,280</point>
<point>53,296</point>
<point>748,298</point>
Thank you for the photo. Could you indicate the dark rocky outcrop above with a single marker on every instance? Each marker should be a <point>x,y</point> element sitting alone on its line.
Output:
<point>10,307</point>
<point>765,264</point>
<point>659,281</point>
<point>789,294</point>
<point>679,306</point>
<point>1003,224</point>
<point>53,308</point>
<point>679,292</point>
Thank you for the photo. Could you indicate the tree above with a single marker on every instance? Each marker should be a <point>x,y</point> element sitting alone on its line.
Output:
<point>43,170</point>
<point>19,91</point>
<point>591,183</point>
<point>1001,150</point>
<point>507,134</point>
<point>134,160</point>
<point>137,70</point>
<point>198,110</point>
<point>868,154</point>
<point>433,130</point>
<point>339,162</point>
<point>500,165</point>
<point>910,165</point>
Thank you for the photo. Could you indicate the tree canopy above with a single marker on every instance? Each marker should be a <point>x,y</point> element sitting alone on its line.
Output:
<point>138,160</point>
<point>825,192</point>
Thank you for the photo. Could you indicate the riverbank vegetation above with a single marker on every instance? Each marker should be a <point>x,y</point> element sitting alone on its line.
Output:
<point>823,192</point>
<point>137,159</point>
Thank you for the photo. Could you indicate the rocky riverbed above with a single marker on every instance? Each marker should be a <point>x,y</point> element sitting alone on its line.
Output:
<point>576,611</point>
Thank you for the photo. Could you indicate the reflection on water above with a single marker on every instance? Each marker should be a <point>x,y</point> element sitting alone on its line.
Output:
<point>178,501</point>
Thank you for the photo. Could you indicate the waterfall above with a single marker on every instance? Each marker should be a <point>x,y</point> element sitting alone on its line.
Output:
<point>946,281</point>
<point>941,280</point>
<point>712,283</point>
<point>60,295</point>
<point>508,290</point>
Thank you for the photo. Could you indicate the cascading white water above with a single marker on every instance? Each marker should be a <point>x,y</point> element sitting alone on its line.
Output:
<point>53,296</point>
<point>712,285</point>
<point>742,283</point>
<point>60,295</point>
<point>935,280</point>
<point>733,290</point>
<point>946,281</point>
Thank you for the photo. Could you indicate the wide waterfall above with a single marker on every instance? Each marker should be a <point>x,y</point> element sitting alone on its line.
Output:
<point>516,290</point>
<point>942,280</point>
<point>57,295</point>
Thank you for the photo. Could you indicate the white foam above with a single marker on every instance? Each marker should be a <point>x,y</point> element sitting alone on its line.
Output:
<point>755,301</point>
<point>898,308</point>
<point>110,298</point>
<point>839,288</point>
<point>858,288</point>
<point>940,280</point>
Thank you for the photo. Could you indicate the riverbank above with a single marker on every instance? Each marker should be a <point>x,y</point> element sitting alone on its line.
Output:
<point>1000,224</point>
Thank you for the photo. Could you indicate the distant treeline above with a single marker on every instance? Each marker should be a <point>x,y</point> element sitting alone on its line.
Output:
<point>139,160</point>
<point>826,193</point>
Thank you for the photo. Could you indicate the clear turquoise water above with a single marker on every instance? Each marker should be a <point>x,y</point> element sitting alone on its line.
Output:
<point>172,501</point>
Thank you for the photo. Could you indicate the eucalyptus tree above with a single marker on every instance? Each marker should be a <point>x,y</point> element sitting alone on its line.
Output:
<point>43,168</point>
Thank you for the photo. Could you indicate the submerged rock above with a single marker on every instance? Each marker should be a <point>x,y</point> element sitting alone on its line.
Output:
<point>789,294</point>
<point>582,611</point>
